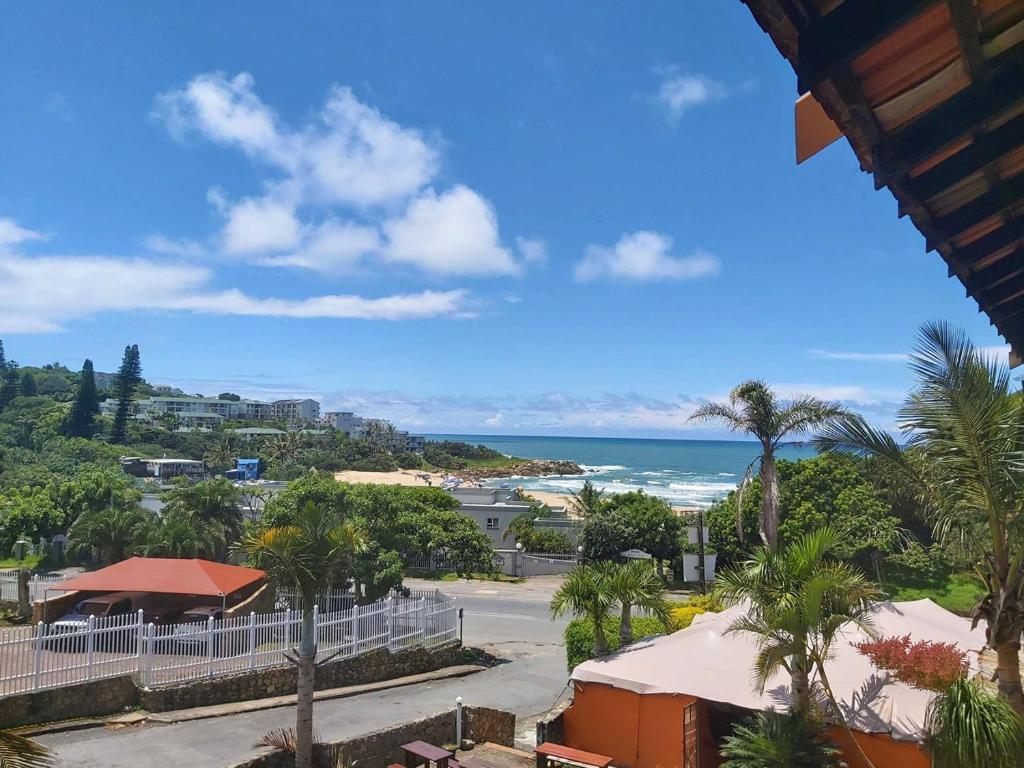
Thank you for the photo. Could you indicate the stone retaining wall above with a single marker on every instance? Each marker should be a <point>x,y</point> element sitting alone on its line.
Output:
<point>383,747</point>
<point>99,697</point>
<point>371,667</point>
<point>115,694</point>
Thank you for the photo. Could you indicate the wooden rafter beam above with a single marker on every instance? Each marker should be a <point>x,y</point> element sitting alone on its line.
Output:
<point>959,115</point>
<point>965,22</point>
<point>984,285</point>
<point>829,43</point>
<point>1004,195</point>
<point>1001,293</point>
<point>985,149</point>
<point>1012,231</point>
<point>1006,269</point>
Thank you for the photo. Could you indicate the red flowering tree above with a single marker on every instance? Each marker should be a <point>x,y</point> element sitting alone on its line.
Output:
<point>924,664</point>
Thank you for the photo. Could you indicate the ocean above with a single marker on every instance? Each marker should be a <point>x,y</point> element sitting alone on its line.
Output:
<point>683,472</point>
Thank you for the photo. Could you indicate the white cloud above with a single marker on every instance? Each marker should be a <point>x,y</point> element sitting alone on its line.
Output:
<point>159,243</point>
<point>333,246</point>
<point>679,92</point>
<point>260,225</point>
<point>41,294</point>
<point>643,256</point>
<point>864,357</point>
<point>532,250</point>
<point>351,155</point>
<point>495,420</point>
<point>352,166</point>
<point>513,298</point>
<point>12,234</point>
<point>454,233</point>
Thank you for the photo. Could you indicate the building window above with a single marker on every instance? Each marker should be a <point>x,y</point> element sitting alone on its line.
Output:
<point>492,523</point>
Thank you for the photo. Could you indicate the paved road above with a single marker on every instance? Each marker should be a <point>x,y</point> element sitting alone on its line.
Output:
<point>509,620</point>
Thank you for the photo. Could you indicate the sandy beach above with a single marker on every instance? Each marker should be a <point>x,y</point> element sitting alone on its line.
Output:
<point>415,477</point>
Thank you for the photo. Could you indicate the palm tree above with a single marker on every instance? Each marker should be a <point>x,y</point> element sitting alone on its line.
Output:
<point>969,726</point>
<point>285,448</point>
<point>638,584</point>
<point>221,455</point>
<point>964,431</point>
<point>586,501</point>
<point>19,752</point>
<point>113,531</point>
<point>213,504</point>
<point>178,534</point>
<point>587,591</point>
<point>799,599</point>
<point>754,409</point>
<point>773,740</point>
<point>313,551</point>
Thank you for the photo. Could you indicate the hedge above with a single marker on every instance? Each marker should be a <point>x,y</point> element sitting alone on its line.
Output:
<point>579,635</point>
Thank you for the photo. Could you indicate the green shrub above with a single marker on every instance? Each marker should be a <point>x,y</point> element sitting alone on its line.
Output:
<point>579,635</point>
<point>408,460</point>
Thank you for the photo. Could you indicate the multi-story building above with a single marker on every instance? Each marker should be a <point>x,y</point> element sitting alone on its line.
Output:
<point>304,410</point>
<point>210,411</point>
<point>356,427</point>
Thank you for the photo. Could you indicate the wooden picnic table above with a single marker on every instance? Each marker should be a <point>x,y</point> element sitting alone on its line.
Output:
<point>558,754</point>
<point>419,753</point>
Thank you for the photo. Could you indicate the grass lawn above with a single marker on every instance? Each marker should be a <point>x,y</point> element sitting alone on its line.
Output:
<point>423,573</point>
<point>31,562</point>
<point>957,592</point>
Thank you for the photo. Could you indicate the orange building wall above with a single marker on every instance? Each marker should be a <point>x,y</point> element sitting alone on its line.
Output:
<point>881,750</point>
<point>646,731</point>
<point>636,731</point>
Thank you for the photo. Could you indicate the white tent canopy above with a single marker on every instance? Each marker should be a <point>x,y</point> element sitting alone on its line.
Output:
<point>706,662</point>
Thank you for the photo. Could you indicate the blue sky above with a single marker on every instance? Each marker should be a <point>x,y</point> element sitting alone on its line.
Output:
<point>570,218</point>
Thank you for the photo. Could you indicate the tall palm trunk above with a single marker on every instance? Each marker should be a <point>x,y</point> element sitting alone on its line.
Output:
<point>600,641</point>
<point>626,624</point>
<point>799,685</point>
<point>1008,674</point>
<point>307,672</point>
<point>770,502</point>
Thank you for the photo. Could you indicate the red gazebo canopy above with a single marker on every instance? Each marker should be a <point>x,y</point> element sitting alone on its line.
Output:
<point>165,575</point>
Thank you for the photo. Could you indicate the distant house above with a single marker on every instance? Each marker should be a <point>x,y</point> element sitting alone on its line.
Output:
<point>163,469</point>
<point>494,508</point>
<point>356,427</point>
<point>297,411</point>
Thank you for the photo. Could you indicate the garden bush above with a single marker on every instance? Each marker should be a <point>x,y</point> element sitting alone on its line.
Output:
<point>579,635</point>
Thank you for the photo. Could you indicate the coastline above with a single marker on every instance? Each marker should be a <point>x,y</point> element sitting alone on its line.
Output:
<point>414,477</point>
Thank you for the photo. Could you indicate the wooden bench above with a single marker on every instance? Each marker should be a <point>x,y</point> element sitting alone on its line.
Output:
<point>419,753</point>
<point>549,754</point>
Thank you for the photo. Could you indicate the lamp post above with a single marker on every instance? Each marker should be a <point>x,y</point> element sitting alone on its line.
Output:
<point>579,554</point>
<point>517,566</point>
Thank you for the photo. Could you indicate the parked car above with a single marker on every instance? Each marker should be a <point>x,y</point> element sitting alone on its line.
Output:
<point>191,632</point>
<point>100,606</point>
<point>69,633</point>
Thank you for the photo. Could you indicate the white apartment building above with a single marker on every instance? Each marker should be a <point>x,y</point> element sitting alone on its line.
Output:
<point>210,411</point>
<point>356,426</point>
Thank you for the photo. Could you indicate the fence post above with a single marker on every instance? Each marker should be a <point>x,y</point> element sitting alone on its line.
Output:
<point>90,646</point>
<point>353,629</point>
<point>147,678</point>
<point>209,646</point>
<point>140,641</point>
<point>287,628</point>
<point>389,619</point>
<point>37,664</point>
<point>423,621</point>
<point>252,640</point>
<point>316,629</point>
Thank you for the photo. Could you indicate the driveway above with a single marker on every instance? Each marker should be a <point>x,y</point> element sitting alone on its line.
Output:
<point>509,620</point>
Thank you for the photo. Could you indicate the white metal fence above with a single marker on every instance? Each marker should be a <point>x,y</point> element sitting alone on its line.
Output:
<point>54,655</point>
<point>36,585</point>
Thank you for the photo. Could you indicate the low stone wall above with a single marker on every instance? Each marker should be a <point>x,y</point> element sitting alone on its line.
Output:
<point>98,698</point>
<point>279,681</point>
<point>551,727</point>
<point>381,748</point>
